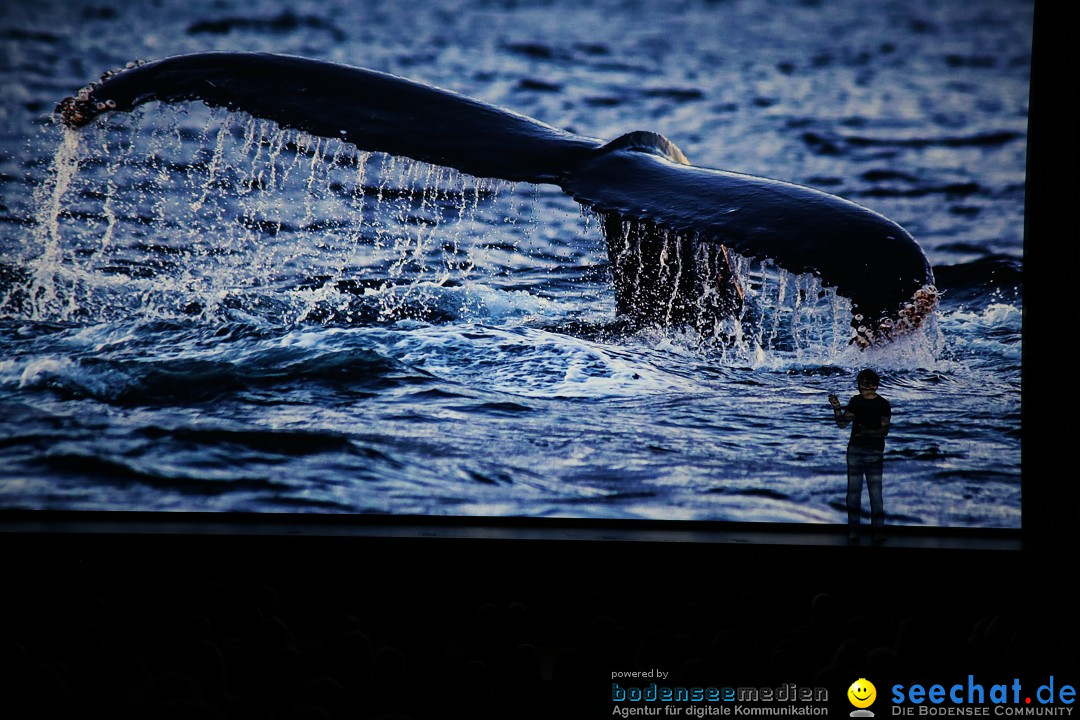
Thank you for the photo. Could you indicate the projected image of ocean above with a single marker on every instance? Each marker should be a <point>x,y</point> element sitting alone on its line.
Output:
<point>202,311</point>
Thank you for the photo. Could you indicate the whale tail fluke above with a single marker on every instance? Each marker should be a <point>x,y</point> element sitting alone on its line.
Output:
<point>640,178</point>
<point>372,110</point>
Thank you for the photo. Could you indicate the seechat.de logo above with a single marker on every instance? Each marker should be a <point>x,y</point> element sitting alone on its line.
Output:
<point>975,698</point>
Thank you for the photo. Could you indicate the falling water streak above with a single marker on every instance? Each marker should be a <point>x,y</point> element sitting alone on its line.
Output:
<point>458,184</point>
<point>463,207</point>
<point>839,326</point>
<point>215,160</point>
<point>426,230</point>
<point>49,198</point>
<point>314,146</point>
<point>408,239</point>
<point>416,229</point>
<point>669,240</point>
<point>624,247</point>
<point>258,219</point>
<point>275,153</point>
<point>359,198</point>
<point>813,335</point>
<point>710,291</point>
<point>795,313</point>
<point>298,143</point>
<point>393,303</point>
<point>162,176</point>
<point>257,128</point>
<point>385,168</point>
<point>438,190</point>
<point>531,204</point>
<point>334,167</point>
<point>116,159</point>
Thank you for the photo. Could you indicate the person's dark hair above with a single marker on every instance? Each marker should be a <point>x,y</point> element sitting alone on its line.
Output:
<point>868,377</point>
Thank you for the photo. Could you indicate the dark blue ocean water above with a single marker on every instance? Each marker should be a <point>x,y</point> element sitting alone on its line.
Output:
<point>199,311</point>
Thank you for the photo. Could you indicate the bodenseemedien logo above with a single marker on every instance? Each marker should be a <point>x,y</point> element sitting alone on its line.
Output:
<point>862,694</point>
<point>714,701</point>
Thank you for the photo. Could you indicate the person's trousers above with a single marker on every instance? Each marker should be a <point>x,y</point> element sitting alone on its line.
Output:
<point>863,462</point>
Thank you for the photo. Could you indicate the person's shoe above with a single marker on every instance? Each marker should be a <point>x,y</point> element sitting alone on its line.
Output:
<point>853,538</point>
<point>879,538</point>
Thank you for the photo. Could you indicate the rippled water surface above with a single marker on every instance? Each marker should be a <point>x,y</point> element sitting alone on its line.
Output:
<point>199,311</point>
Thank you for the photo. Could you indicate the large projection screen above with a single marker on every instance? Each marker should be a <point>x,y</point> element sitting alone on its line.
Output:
<point>202,312</point>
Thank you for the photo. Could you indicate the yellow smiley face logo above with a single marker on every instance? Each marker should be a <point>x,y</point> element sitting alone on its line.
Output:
<point>862,693</point>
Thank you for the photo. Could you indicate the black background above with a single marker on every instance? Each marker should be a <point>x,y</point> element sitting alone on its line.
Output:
<point>106,616</point>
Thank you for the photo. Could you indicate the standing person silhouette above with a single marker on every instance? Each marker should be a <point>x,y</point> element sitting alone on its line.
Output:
<point>869,415</point>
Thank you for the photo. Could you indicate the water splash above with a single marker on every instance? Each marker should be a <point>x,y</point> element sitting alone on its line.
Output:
<point>215,215</point>
<point>745,310</point>
<point>212,214</point>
